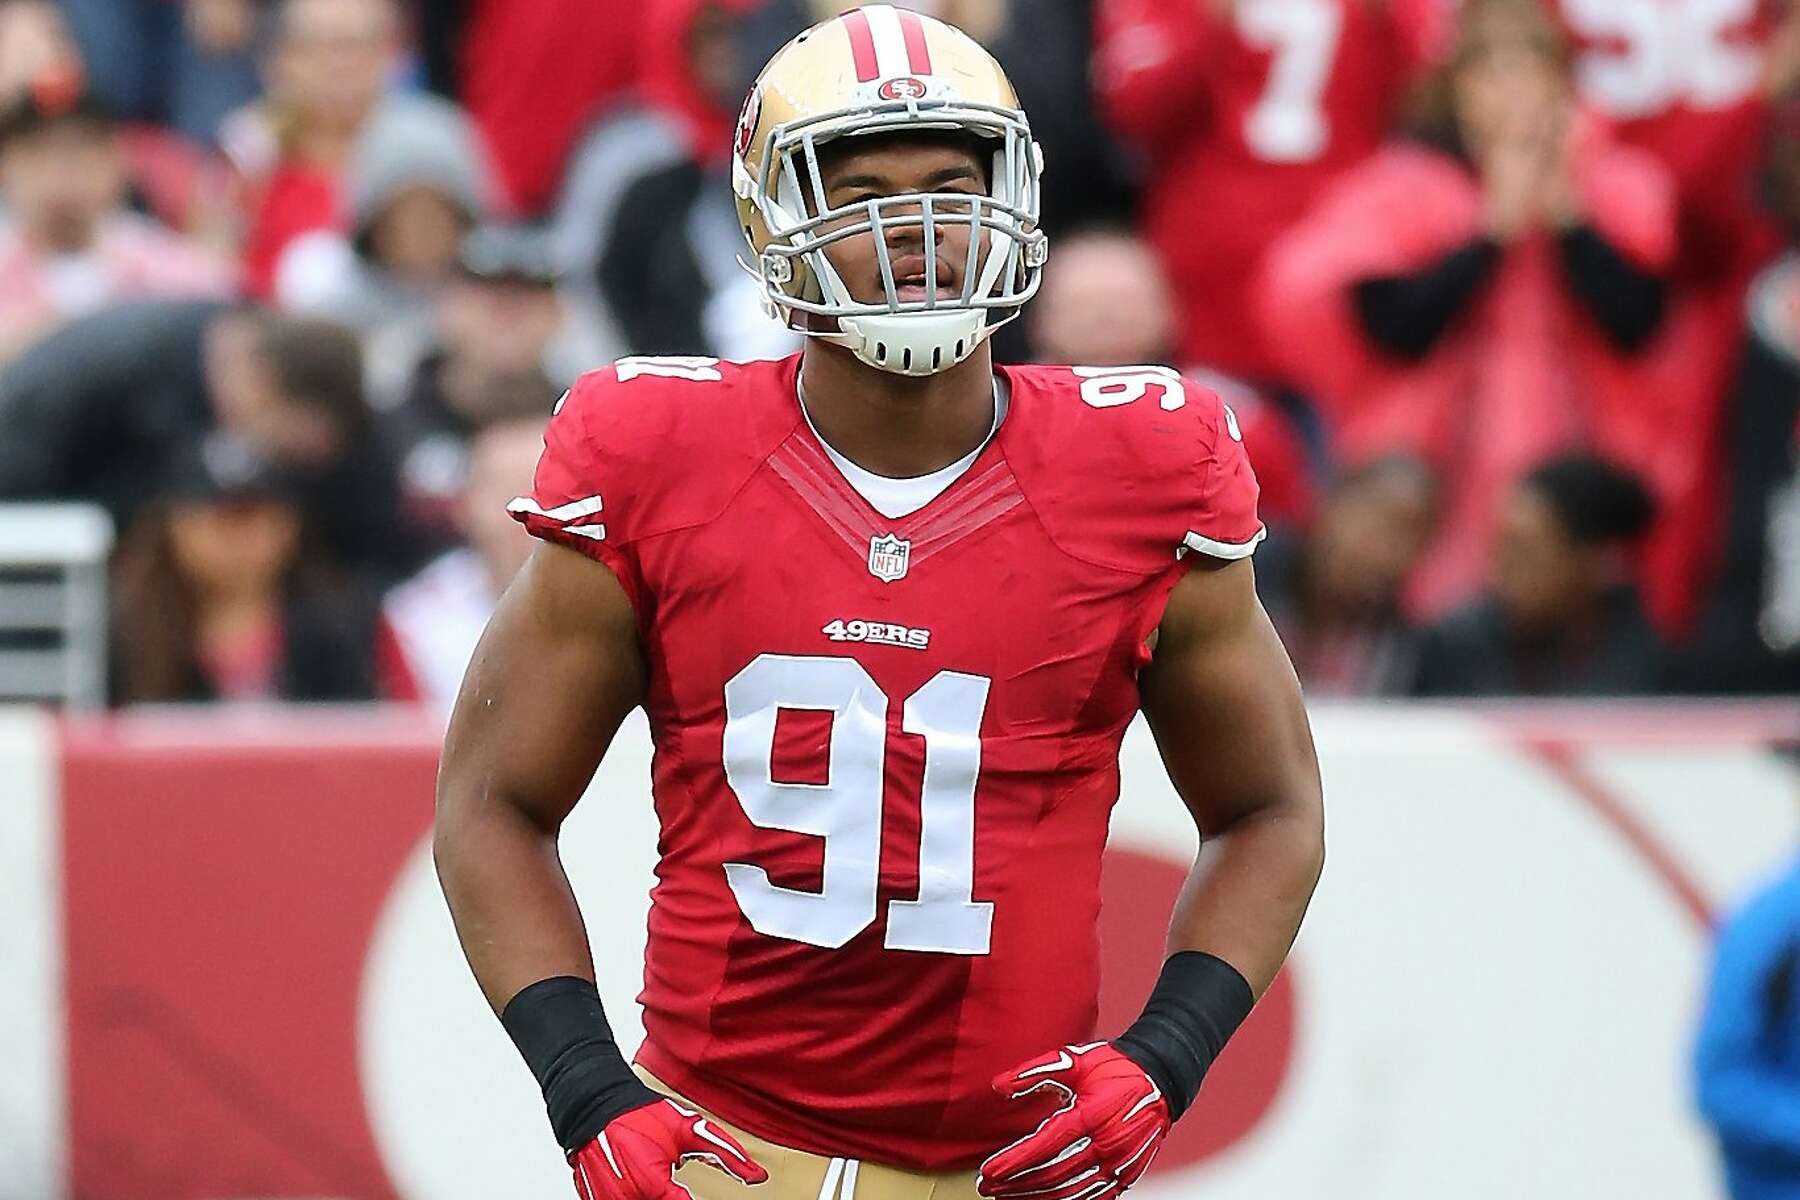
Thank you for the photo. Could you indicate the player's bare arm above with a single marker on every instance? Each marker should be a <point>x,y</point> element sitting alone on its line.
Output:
<point>559,667</point>
<point>556,672</point>
<point>1224,704</point>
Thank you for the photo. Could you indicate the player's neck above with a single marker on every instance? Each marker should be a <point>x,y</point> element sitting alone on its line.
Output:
<point>898,425</point>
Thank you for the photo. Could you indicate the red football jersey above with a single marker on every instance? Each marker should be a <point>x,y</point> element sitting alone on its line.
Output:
<point>886,750</point>
<point>1246,111</point>
<point>1683,79</point>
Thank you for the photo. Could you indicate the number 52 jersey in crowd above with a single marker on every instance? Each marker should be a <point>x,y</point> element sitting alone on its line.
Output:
<point>886,750</point>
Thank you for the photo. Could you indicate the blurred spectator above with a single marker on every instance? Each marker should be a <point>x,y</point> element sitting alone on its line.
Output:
<point>96,410</point>
<point>1749,636</point>
<point>330,62</point>
<point>534,75</point>
<point>1747,1056</point>
<point>1561,615</point>
<point>1335,592</point>
<point>68,245</point>
<point>1105,302</point>
<point>221,594</point>
<point>1685,80</point>
<point>34,43</point>
<point>499,319</point>
<point>1483,295</point>
<point>648,216</point>
<point>183,63</point>
<point>414,187</point>
<point>1244,110</point>
<point>436,617</point>
<point>176,180</point>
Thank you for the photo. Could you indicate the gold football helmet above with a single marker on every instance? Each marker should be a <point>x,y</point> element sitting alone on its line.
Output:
<point>874,70</point>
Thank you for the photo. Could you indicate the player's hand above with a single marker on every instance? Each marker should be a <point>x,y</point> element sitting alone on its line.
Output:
<point>1112,1122</point>
<point>637,1153</point>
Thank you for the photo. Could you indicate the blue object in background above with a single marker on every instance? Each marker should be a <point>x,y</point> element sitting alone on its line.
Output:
<point>143,67</point>
<point>1747,1060</point>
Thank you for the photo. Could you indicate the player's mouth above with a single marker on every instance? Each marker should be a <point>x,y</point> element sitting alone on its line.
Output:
<point>909,279</point>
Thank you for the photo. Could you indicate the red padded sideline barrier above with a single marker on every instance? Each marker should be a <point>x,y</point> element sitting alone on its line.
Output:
<point>221,886</point>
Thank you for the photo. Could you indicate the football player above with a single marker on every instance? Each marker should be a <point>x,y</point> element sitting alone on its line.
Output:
<point>889,609</point>
<point>1250,108</point>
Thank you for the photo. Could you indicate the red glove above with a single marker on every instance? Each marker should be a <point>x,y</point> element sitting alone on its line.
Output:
<point>1100,1142</point>
<point>637,1153</point>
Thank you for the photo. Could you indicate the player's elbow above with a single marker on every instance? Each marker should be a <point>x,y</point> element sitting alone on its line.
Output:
<point>1300,815</point>
<point>481,816</point>
<point>1287,831</point>
<point>461,816</point>
<point>1308,822</point>
<point>447,842</point>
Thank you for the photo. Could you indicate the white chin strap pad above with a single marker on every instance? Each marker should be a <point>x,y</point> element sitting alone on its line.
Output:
<point>916,343</point>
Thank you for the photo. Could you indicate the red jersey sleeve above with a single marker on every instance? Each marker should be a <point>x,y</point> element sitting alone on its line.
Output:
<point>577,496</point>
<point>1222,519</point>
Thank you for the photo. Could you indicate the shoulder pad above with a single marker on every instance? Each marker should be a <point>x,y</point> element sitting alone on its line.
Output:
<point>1131,467</point>
<point>650,445</point>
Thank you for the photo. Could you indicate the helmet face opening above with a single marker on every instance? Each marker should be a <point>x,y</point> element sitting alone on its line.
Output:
<point>793,119</point>
<point>1005,247</point>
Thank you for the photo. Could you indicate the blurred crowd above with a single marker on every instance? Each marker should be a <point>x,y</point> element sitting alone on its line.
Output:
<point>1503,294</point>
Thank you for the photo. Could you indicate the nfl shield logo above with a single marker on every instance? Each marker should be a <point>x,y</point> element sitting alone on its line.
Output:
<point>887,558</point>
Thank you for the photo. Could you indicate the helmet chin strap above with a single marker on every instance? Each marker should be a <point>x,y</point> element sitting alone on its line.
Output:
<point>914,343</point>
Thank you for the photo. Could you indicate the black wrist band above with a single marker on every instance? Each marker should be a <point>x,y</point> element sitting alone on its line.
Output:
<point>1198,1003</point>
<point>560,1028</point>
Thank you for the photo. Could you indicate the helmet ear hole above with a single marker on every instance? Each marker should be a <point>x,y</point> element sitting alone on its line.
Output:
<point>906,360</point>
<point>881,351</point>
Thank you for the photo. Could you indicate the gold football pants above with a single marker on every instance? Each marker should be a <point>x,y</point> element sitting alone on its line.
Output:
<point>797,1175</point>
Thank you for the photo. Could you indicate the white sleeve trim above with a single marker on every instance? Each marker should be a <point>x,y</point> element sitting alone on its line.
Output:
<point>572,511</point>
<point>1229,551</point>
<point>571,517</point>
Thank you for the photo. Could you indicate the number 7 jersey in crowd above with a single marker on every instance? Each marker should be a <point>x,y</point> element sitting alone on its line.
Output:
<point>886,749</point>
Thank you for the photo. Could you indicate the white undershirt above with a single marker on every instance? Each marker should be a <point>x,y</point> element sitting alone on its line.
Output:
<point>895,498</point>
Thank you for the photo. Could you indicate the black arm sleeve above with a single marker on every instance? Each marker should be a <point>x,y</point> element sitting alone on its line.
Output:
<point>1407,314</point>
<point>561,1030</point>
<point>1627,302</point>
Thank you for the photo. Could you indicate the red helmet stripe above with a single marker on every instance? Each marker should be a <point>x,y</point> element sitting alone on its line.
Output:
<point>862,45</point>
<point>918,54</point>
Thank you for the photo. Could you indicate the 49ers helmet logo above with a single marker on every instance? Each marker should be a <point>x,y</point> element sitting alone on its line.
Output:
<point>903,87</point>
<point>747,119</point>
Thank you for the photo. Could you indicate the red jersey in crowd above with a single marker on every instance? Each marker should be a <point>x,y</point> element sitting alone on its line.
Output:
<point>886,748</point>
<point>1683,79</point>
<point>535,75</point>
<point>1244,110</point>
<point>296,198</point>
